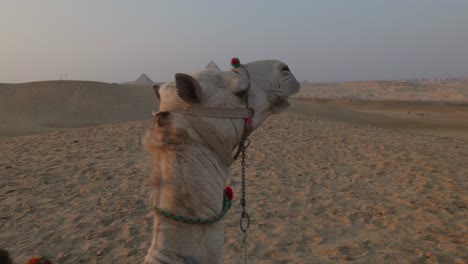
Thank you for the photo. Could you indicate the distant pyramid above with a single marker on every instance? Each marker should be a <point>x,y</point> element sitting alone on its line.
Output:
<point>142,80</point>
<point>212,66</point>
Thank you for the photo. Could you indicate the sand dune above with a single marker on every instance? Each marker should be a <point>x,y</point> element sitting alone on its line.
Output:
<point>53,105</point>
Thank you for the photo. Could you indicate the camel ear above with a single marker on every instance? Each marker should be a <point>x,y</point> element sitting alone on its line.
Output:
<point>188,88</point>
<point>160,118</point>
<point>156,92</point>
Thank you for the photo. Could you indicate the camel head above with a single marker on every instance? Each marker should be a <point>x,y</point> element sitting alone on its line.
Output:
<point>273,82</point>
<point>264,85</point>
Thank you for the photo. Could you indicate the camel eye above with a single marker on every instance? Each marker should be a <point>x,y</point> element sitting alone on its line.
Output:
<point>286,69</point>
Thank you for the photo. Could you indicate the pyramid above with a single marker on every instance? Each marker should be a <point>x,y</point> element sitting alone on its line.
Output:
<point>142,80</point>
<point>212,66</point>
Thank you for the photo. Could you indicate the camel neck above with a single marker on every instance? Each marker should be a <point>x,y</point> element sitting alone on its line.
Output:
<point>190,183</point>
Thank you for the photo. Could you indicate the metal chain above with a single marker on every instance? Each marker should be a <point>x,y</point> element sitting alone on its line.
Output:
<point>244,226</point>
<point>245,142</point>
<point>242,200</point>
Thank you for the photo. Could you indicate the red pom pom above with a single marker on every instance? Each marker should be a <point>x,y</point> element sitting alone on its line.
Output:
<point>32,261</point>
<point>40,260</point>
<point>235,62</point>
<point>229,193</point>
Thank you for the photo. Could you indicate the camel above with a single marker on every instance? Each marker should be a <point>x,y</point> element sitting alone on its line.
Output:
<point>189,173</point>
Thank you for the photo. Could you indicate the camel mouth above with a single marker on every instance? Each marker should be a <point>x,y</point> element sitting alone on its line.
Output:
<point>289,86</point>
<point>295,86</point>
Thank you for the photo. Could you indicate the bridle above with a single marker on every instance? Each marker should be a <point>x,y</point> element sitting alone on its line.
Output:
<point>193,113</point>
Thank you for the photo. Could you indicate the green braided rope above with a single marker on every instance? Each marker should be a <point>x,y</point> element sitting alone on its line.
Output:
<point>245,135</point>
<point>198,220</point>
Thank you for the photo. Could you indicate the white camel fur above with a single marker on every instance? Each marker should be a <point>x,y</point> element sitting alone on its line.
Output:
<point>188,176</point>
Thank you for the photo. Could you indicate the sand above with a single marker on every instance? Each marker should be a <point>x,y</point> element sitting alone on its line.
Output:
<point>322,187</point>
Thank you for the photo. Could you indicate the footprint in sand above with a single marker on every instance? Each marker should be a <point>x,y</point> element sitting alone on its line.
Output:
<point>352,251</point>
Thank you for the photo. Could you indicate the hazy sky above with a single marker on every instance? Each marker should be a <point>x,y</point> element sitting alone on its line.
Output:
<point>115,41</point>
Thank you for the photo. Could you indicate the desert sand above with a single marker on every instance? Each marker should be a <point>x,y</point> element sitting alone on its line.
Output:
<point>324,185</point>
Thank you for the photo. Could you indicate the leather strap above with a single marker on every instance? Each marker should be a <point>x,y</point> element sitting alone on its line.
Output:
<point>214,112</point>
<point>192,115</point>
<point>206,111</point>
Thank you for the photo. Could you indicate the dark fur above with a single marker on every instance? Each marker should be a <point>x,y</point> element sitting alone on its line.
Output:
<point>5,257</point>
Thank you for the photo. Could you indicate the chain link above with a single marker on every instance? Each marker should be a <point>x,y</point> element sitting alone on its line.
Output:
<point>242,201</point>
<point>245,219</point>
<point>245,142</point>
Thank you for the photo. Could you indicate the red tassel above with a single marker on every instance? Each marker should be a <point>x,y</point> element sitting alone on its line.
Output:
<point>229,193</point>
